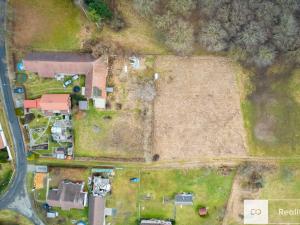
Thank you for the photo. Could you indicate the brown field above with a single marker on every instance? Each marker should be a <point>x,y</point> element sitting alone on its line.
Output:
<point>197,109</point>
<point>57,174</point>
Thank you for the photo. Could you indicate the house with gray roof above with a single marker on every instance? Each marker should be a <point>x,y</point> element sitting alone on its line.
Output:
<point>155,222</point>
<point>96,210</point>
<point>184,199</point>
<point>68,196</point>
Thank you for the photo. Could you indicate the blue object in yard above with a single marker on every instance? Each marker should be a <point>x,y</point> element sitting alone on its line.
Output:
<point>20,66</point>
<point>19,90</point>
<point>76,89</point>
<point>135,180</point>
<point>80,223</point>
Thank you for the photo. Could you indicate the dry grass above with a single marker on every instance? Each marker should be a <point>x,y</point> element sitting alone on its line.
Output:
<point>139,35</point>
<point>197,110</point>
<point>8,217</point>
<point>96,136</point>
<point>57,174</point>
<point>47,25</point>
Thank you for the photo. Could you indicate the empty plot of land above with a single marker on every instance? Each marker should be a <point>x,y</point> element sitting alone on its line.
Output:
<point>197,109</point>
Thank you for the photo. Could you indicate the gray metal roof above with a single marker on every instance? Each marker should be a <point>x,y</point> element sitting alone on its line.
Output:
<point>83,105</point>
<point>96,210</point>
<point>184,198</point>
<point>41,169</point>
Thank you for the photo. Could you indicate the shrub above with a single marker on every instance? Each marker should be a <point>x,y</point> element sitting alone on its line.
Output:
<point>252,36</point>
<point>265,56</point>
<point>117,23</point>
<point>98,9</point>
<point>145,7</point>
<point>180,37</point>
<point>165,21</point>
<point>286,33</point>
<point>213,36</point>
<point>183,7</point>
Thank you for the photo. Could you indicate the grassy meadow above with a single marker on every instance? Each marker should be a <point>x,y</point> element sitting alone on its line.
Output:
<point>272,118</point>
<point>8,217</point>
<point>282,190</point>
<point>153,196</point>
<point>47,25</point>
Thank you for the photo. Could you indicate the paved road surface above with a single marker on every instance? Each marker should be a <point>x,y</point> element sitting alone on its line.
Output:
<point>16,198</point>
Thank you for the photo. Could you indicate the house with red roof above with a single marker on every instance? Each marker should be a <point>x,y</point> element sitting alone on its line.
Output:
<point>50,104</point>
<point>51,64</point>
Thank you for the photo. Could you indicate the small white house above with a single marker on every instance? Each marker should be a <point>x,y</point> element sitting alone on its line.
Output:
<point>99,103</point>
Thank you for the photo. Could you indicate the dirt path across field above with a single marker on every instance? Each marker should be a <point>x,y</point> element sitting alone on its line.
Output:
<point>197,109</point>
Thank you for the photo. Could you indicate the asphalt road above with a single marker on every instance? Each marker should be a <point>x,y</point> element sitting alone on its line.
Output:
<point>16,198</point>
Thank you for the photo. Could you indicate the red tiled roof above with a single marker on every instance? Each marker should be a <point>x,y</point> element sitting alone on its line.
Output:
<point>31,104</point>
<point>48,64</point>
<point>53,102</point>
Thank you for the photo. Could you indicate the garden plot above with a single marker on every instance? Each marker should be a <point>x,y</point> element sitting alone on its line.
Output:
<point>197,109</point>
<point>154,196</point>
<point>36,86</point>
<point>123,129</point>
<point>46,134</point>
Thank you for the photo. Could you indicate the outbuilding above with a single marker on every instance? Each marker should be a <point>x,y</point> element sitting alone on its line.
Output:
<point>184,199</point>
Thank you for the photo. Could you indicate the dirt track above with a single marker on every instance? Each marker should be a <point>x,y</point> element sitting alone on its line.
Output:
<point>197,109</point>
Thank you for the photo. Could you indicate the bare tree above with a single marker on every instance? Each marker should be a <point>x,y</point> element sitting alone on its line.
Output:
<point>180,37</point>
<point>213,37</point>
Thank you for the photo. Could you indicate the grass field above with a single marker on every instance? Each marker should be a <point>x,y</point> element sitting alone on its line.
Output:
<point>8,217</point>
<point>145,200</point>
<point>197,104</point>
<point>47,25</point>
<point>138,36</point>
<point>59,25</point>
<point>36,86</point>
<point>283,184</point>
<point>5,175</point>
<point>272,118</point>
<point>106,134</point>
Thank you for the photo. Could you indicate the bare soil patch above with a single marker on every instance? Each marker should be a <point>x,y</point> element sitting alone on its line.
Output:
<point>197,109</point>
<point>57,174</point>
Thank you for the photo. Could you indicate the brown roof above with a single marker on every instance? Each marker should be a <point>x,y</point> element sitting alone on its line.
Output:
<point>96,210</point>
<point>55,102</point>
<point>48,64</point>
<point>68,195</point>
<point>59,57</point>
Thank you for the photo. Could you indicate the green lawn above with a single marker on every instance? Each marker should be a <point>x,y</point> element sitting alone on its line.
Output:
<point>47,25</point>
<point>91,128</point>
<point>283,183</point>
<point>5,175</point>
<point>36,86</point>
<point>8,217</point>
<point>145,200</point>
<point>124,198</point>
<point>278,106</point>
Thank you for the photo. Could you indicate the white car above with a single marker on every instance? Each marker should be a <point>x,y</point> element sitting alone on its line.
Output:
<point>67,83</point>
<point>75,77</point>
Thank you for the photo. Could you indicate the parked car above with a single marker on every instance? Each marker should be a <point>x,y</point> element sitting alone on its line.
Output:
<point>19,90</point>
<point>67,83</point>
<point>75,77</point>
